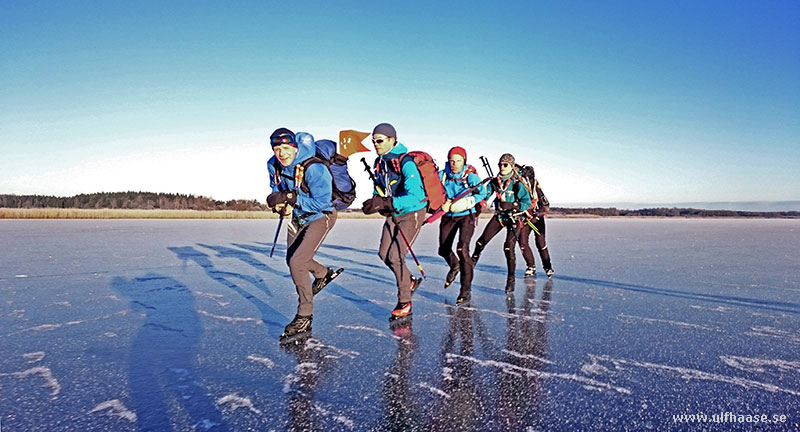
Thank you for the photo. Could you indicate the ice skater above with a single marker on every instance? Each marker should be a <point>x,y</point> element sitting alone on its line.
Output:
<point>399,195</point>
<point>312,217</point>
<point>460,219</point>
<point>536,220</point>
<point>512,200</point>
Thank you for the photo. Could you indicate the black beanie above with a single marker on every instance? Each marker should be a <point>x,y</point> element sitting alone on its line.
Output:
<point>281,132</point>
<point>385,129</point>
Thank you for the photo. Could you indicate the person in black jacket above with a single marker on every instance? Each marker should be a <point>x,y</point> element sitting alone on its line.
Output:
<point>538,213</point>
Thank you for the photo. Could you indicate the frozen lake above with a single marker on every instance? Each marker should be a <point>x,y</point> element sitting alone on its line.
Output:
<point>160,325</point>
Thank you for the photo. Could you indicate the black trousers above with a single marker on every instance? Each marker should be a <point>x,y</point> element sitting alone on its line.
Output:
<point>512,232</point>
<point>464,227</point>
<point>541,244</point>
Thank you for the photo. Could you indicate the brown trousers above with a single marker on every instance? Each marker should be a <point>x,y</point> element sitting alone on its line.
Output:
<point>302,244</point>
<point>393,249</point>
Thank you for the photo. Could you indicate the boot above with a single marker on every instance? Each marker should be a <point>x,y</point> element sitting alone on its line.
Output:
<point>451,276</point>
<point>402,310</point>
<point>415,283</point>
<point>530,271</point>
<point>510,281</point>
<point>300,324</point>
<point>320,283</point>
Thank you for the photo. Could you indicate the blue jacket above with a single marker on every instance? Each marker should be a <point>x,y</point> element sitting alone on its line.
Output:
<point>405,187</point>
<point>456,183</point>
<point>310,206</point>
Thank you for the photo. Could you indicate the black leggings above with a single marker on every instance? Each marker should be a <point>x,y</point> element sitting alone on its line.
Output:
<point>541,244</point>
<point>512,232</point>
<point>465,227</point>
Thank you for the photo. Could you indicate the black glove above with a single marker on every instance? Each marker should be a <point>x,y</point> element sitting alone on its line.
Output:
<point>378,204</point>
<point>282,197</point>
<point>508,206</point>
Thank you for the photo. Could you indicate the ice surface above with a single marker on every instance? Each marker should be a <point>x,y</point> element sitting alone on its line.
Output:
<point>173,325</point>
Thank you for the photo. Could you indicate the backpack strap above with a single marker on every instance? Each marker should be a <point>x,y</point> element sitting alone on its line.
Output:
<point>300,171</point>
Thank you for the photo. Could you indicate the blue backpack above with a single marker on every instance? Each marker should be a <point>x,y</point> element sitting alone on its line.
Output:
<point>344,187</point>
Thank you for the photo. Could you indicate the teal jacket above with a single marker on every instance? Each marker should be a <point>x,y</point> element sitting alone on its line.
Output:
<point>511,190</point>
<point>402,177</point>
<point>312,205</point>
<point>456,183</point>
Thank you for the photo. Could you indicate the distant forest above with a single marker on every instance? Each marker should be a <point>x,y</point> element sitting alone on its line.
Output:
<point>128,200</point>
<point>150,201</point>
<point>673,212</point>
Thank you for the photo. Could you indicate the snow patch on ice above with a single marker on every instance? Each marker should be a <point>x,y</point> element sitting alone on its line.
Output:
<point>45,373</point>
<point>767,331</point>
<point>527,356</point>
<point>51,327</point>
<point>435,390</point>
<point>692,374</point>
<point>34,357</point>
<point>110,334</point>
<point>263,360</point>
<point>115,409</point>
<point>721,309</point>
<point>350,424</point>
<point>376,332</point>
<point>232,320</point>
<point>235,401</point>
<point>20,276</point>
<point>632,319</point>
<point>305,368</point>
<point>18,313</point>
<point>760,365</point>
<point>330,351</point>
<point>521,371</point>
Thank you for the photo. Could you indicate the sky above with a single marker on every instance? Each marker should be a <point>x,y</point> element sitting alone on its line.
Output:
<point>612,102</point>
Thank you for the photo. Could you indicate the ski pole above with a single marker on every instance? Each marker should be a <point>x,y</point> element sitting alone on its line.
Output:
<point>408,245</point>
<point>277,231</point>
<point>372,177</point>
<point>400,230</point>
<point>487,166</point>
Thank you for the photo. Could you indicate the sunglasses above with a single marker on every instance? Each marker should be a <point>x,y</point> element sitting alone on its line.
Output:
<point>504,164</point>
<point>282,139</point>
<point>379,141</point>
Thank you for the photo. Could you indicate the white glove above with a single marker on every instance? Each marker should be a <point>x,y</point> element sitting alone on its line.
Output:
<point>465,203</point>
<point>446,206</point>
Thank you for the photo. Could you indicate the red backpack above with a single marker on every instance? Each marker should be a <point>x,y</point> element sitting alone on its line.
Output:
<point>434,189</point>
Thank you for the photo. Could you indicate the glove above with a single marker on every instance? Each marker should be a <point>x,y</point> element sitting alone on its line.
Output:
<point>378,204</point>
<point>465,203</point>
<point>508,206</point>
<point>281,197</point>
<point>446,206</point>
<point>481,207</point>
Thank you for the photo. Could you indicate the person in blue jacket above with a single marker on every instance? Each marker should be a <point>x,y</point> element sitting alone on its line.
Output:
<point>460,219</point>
<point>400,196</point>
<point>512,205</point>
<point>301,190</point>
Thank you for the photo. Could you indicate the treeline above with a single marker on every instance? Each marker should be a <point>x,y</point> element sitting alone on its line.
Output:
<point>673,212</point>
<point>128,200</point>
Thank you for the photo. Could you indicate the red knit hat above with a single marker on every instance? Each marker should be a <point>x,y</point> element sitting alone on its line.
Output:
<point>459,151</point>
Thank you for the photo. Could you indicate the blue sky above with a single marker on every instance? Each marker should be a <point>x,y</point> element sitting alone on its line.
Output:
<point>612,102</point>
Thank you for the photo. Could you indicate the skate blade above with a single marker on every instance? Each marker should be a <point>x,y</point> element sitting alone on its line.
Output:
<point>399,321</point>
<point>295,339</point>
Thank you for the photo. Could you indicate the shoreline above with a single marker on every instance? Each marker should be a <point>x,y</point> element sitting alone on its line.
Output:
<point>74,213</point>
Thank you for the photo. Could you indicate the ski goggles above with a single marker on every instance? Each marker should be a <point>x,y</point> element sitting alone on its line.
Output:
<point>283,139</point>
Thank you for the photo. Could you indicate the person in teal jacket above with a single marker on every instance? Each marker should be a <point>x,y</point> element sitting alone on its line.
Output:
<point>460,219</point>
<point>512,202</point>
<point>400,196</point>
<point>303,190</point>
